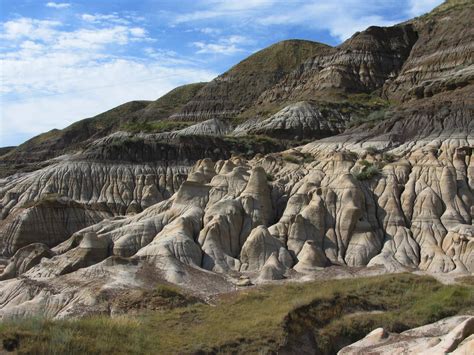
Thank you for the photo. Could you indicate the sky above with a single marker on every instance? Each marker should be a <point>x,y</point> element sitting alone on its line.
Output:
<point>67,60</point>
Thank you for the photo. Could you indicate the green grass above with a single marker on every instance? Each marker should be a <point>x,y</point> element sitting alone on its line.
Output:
<point>270,177</point>
<point>283,56</point>
<point>372,150</point>
<point>291,159</point>
<point>171,102</point>
<point>350,155</point>
<point>361,108</point>
<point>255,320</point>
<point>466,280</point>
<point>389,157</point>
<point>446,7</point>
<point>155,127</point>
<point>372,100</point>
<point>369,170</point>
<point>372,118</point>
<point>250,145</point>
<point>298,158</point>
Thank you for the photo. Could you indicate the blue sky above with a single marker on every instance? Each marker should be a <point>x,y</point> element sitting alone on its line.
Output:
<point>67,60</point>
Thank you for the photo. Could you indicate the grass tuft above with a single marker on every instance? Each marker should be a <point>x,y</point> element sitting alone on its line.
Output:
<point>334,313</point>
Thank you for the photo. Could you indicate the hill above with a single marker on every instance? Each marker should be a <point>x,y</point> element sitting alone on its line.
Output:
<point>302,163</point>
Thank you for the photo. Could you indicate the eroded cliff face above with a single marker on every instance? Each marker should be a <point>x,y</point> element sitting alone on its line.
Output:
<point>204,205</point>
<point>361,64</point>
<point>268,218</point>
<point>441,59</point>
<point>236,90</point>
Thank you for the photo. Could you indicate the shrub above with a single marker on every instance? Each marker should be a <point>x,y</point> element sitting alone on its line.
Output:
<point>291,159</point>
<point>351,155</point>
<point>168,291</point>
<point>299,158</point>
<point>307,158</point>
<point>371,119</point>
<point>368,172</point>
<point>389,157</point>
<point>372,150</point>
<point>155,127</point>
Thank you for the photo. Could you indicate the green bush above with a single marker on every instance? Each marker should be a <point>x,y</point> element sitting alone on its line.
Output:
<point>388,157</point>
<point>291,159</point>
<point>307,158</point>
<point>372,150</point>
<point>155,127</point>
<point>168,291</point>
<point>298,158</point>
<point>371,119</point>
<point>368,171</point>
<point>351,155</point>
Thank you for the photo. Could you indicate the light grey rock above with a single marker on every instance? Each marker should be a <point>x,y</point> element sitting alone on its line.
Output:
<point>450,335</point>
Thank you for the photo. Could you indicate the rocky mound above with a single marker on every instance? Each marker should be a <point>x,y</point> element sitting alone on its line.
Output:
<point>274,217</point>
<point>361,64</point>
<point>453,335</point>
<point>301,120</point>
<point>200,201</point>
<point>236,90</point>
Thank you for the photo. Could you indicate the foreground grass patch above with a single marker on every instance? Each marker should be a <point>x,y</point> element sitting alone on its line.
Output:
<point>267,318</point>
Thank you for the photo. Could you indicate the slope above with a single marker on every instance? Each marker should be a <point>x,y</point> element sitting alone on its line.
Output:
<point>34,152</point>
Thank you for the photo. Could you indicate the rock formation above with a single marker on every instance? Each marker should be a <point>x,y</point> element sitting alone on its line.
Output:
<point>235,193</point>
<point>454,335</point>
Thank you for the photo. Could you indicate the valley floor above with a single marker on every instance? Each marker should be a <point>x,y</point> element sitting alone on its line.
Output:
<point>304,317</point>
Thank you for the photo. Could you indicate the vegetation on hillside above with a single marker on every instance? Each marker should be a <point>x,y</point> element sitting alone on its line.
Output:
<point>283,56</point>
<point>335,313</point>
<point>171,102</point>
<point>361,108</point>
<point>155,127</point>
<point>369,171</point>
<point>133,114</point>
<point>296,157</point>
<point>446,7</point>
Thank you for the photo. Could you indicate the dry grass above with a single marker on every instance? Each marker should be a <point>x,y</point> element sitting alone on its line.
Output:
<point>255,319</point>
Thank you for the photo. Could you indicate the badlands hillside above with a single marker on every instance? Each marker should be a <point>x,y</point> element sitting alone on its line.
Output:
<point>304,162</point>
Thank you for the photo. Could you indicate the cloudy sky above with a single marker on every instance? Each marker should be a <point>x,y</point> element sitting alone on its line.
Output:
<point>63,61</point>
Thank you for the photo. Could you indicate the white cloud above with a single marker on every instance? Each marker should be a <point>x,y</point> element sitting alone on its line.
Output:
<point>169,57</point>
<point>225,46</point>
<point>53,76</point>
<point>420,7</point>
<point>48,32</point>
<point>215,48</point>
<point>106,18</point>
<point>90,90</point>
<point>341,21</point>
<point>222,8</point>
<point>58,5</point>
<point>225,5</point>
<point>340,18</point>
<point>137,32</point>
<point>210,31</point>
<point>97,38</point>
<point>29,28</point>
